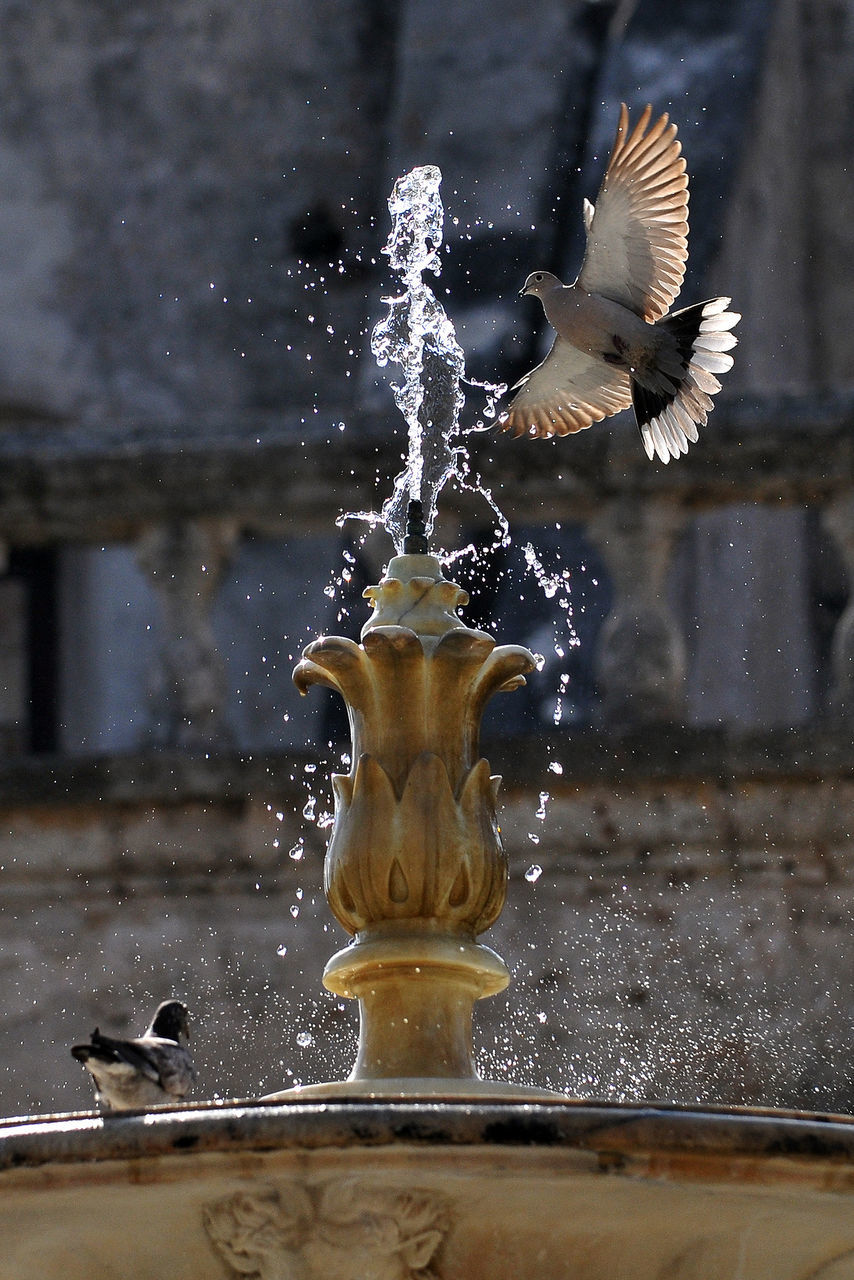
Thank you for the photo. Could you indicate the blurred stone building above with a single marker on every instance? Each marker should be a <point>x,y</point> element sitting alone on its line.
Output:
<point>192,210</point>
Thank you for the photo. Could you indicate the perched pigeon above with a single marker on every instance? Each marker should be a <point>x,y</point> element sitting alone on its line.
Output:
<point>156,1067</point>
<point>616,345</point>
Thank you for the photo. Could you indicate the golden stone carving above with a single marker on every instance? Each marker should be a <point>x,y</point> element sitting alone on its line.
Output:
<point>345,1229</point>
<point>415,868</point>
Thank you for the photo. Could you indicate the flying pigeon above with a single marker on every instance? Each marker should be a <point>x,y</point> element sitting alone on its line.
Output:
<point>616,344</point>
<point>154,1068</point>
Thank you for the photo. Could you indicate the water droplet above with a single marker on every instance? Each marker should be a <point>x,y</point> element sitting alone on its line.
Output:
<point>305,1039</point>
<point>533,873</point>
<point>281,949</point>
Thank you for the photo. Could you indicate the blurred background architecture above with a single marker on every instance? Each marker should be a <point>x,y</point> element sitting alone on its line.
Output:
<point>192,207</point>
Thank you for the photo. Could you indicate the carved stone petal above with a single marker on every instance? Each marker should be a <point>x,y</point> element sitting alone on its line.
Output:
<point>505,669</point>
<point>357,892</point>
<point>457,661</point>
<point>457,868</point>
<point>480,787</point>
<point>337,663</point>
<point>464,643</point>
<point>429,825</point>
<point>425,855</point>
<point>490,868</point>
<point>342,789</point>
<point>393,644</point>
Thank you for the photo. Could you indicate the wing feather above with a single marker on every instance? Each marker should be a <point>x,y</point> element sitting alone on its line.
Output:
<point>566,393</point>
<point>125,1055</point>
<point>637,237</point>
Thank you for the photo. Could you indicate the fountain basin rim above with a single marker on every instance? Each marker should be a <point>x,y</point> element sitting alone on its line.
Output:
<point>631,1134</point>
<point>444,1089</point>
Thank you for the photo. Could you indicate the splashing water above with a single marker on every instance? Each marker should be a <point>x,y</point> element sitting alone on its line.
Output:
<point>417,335</point>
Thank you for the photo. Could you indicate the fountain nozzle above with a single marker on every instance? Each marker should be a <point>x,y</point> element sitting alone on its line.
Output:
<point>415,542</point>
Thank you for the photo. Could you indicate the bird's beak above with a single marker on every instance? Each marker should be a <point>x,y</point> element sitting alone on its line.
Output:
<point>523,291</point>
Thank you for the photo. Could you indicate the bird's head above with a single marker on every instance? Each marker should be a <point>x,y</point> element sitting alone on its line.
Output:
<point>171,1021</point>
<point>540,283</point>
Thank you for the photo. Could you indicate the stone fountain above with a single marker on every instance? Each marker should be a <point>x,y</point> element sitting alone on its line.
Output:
<point>415,869</point>
<point>415,1168</point>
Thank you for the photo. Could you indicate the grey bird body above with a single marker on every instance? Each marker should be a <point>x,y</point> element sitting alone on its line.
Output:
<point>592,323</point>
<point>616,343</point>
<point>153,1068</point>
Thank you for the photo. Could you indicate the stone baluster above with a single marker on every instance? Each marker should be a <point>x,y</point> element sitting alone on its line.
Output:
<point>641,660</point>
<point>184,561</point>
<point>838,520</point>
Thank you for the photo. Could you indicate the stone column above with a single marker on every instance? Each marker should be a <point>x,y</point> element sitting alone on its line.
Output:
<point>640,665</point>
<point>838,520</point>
<point>184,561</point>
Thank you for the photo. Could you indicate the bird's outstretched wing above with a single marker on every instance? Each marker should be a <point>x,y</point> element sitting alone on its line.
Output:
<point>566,393</point>
<point>637,232</point>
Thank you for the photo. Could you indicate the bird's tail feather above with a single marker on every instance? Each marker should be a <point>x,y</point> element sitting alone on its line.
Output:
<point>675,397</point>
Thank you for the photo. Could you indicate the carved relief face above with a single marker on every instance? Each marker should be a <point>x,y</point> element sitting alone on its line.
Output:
<point>344,1231</point>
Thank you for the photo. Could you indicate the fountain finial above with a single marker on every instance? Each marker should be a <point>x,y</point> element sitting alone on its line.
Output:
<point>415,542</point>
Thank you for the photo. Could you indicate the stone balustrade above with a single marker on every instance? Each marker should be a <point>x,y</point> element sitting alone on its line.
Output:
<point>182,497</point>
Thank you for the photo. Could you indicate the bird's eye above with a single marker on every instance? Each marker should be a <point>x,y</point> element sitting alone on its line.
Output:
<point>538,276</point>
